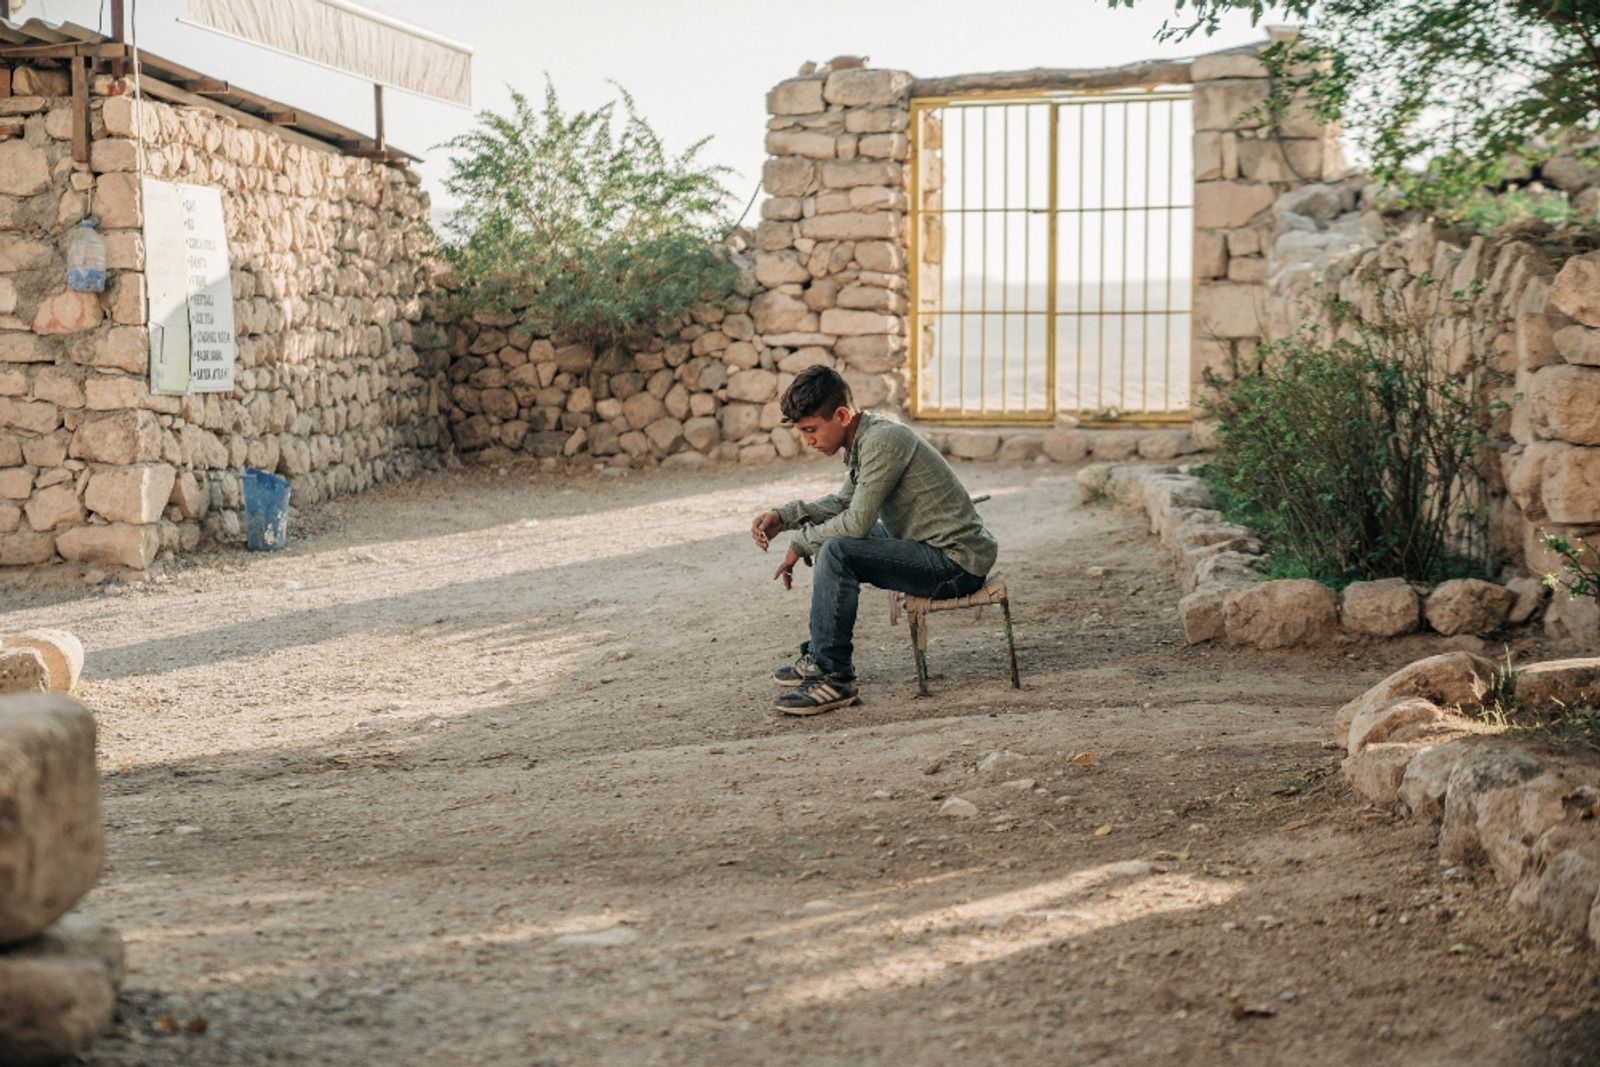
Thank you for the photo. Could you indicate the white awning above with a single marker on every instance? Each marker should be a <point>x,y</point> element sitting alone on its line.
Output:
<point>349,38</point>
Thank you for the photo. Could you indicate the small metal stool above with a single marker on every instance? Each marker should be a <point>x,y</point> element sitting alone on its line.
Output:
<point>917,609</point>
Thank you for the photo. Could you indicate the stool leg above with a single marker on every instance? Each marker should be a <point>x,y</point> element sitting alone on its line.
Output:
<point>917,623</point>
<point>1011,645</point>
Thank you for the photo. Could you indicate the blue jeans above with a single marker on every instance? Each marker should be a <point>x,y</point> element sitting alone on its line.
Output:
<point>843,563</point>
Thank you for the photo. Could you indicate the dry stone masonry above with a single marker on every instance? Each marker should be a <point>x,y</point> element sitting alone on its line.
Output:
<point>1527,815</point>
<point>330,259</point>
<point>1221,569</point>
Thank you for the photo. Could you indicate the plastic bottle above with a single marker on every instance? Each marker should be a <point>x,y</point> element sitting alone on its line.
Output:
<point>86,258</point>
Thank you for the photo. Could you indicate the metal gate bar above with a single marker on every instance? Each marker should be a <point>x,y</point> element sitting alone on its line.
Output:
<point>1017,349</point>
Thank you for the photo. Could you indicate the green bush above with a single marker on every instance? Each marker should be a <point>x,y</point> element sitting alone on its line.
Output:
<point>583,222</point>
<point>1357,459</point>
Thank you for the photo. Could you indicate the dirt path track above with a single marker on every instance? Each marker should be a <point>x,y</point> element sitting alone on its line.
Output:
<point>481,771</point>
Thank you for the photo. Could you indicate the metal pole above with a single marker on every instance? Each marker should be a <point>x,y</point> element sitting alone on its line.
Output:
<point>377,109</point>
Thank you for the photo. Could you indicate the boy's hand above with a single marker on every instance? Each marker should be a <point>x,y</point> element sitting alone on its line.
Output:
<point>764,528</point>
<point>786,568</point>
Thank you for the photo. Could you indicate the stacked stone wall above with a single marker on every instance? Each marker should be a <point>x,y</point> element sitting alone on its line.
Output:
<point>330,258</point>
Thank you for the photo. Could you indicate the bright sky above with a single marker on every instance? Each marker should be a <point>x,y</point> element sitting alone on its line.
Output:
<point>696,68</point>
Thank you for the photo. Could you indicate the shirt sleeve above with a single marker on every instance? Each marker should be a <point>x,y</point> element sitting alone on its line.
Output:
<point>796,513</point>
<point>880,471</point>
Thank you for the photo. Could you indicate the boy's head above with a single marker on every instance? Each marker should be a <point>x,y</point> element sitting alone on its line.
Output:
<point>818,404</point>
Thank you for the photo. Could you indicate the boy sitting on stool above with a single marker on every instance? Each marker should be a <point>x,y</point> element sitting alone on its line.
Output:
<point>901,521</point>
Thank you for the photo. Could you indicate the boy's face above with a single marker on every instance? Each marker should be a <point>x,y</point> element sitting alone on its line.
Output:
<point>825,433</point>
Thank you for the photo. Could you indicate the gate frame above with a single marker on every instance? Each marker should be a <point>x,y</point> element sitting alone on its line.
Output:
<point>919,106</point>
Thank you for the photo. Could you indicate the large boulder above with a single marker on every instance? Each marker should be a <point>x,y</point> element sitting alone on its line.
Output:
<point>51,841</point>
<point>1472,792</point>
<point>58,991</point>
<point>1559,682</point>
<point>1386,608</point>
<point>1278,614</point>
<point>1451,680</point>
<point>1469,606</point>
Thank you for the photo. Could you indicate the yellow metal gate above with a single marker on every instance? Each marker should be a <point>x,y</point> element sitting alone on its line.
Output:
<point>1051,251</point>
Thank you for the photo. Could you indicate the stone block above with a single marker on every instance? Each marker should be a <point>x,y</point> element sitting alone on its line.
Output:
<point>67,312</point>
<point>24,168</point>
<point>1377,770</point>
<point>1565,403</point>
<point>116,545</point>
<point>1453,679</point>
<point>52,847</point>
<point>797,96</point>
<point>1021,448</point>
<point>61,651</point>
<point>641,409</point>
<point>1578,344</point>
<point>1576,290</point>
<point>851,173</point>
<point>33,416</point>
<point>18,347</point>
<point>1228,205</point>
<point>804,143</point>
<point>113,154</point>
<point>1536,344</point>
<point>1569,485</point>
<point>845,322</point>
<point>702,433</point>
<point>1279,614</point>
<point>1200,612</point>
<point>867,88</point>
<point>1230,310</point>
<point>54,507</point>
<point>1385,608</point>
<point>754,386</point>
<point>1562,682</point>
<point>1468,606</point>
<point>1224,104</point>
<point>136,494</point>
<point>120,438</point>
<point>25,548</point>
<point>116,200</point>
<point>777,312</point>
<point>1288,159</point>
<point>974,444</point>
<point>870,353</point>
<point>852,226</point>
<point>1066,445</point>
<point>1427,775</point>
<point>58,992</point>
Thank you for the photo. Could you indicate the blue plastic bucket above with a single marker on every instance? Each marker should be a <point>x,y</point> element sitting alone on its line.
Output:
<point>266,510</point>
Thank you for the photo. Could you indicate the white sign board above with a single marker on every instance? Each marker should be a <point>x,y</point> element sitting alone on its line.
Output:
<point>190,290</point>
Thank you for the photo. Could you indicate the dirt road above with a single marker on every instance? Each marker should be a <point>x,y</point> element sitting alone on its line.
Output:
<point>482,771</point>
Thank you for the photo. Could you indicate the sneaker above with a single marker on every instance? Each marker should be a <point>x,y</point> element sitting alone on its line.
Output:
<point>802,668</point>
<point>815,696</point>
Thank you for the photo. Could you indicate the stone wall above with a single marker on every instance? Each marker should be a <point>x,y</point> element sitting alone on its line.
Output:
<point>827,275</point>
<point>330,265</point>
<point>1529,306</point>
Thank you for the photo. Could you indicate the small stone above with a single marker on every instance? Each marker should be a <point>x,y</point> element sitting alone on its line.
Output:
<point>1021,785</point>
<point>609,937</point>
<point>1000,760</point>
<point>1386,608</point>
<point>958,808</point>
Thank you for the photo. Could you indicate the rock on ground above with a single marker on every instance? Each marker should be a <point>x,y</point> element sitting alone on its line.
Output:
<point>1386,608</point>
<point>57,991</point>
<point>51,842</point>
<point>1278,614</point>
<point>1454,679</point>
<point>1469,606</point>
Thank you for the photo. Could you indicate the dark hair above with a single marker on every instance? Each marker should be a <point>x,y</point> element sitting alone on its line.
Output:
<point>817,390</point>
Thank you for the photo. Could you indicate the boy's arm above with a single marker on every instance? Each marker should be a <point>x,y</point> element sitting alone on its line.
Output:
<point>880,472</point>
<point>797,513</point>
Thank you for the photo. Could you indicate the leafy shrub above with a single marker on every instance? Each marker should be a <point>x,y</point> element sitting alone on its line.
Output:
<point>584,222</point>
<point>1358,459</point>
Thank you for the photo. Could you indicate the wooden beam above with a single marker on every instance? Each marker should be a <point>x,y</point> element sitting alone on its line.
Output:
<point>118,66</point>
<point>80,111</point>
<point>204,85</point>
<point>5,82</point>
<point>62,51</point>
<point>1145,73</point>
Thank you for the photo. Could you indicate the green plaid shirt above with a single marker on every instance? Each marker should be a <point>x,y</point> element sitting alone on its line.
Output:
<point>898,477</point>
